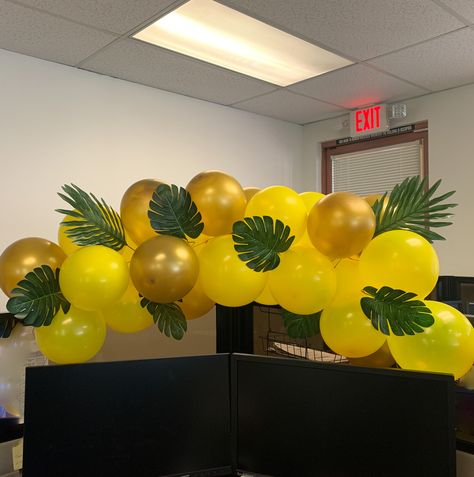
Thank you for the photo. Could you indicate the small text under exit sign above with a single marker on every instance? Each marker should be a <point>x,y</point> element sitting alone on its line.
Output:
<point>369,120</point>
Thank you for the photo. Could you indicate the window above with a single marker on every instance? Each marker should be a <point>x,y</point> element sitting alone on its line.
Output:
<point>375,165</point>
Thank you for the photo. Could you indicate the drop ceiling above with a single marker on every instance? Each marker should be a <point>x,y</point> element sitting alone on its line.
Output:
<point>400,48</point>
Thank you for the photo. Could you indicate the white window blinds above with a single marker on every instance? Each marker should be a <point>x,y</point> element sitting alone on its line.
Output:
<point>375,171</point>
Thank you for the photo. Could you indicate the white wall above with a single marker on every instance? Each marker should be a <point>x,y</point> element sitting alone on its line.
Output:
<point>60,125</point>
<point>451,158</point>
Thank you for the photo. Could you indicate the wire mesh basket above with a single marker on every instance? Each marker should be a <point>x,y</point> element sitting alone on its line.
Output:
<point>274,340</point>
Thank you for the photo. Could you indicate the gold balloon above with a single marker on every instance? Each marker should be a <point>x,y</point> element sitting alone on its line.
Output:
<point>220,199</point>
<point>341,224</point>
<point>250,192</point>
<point>23,256</point>
<point>134,210</point>
<point>382,358</point>
<point>164,269</point>
<point>372,198</point>
<point>196,303</point>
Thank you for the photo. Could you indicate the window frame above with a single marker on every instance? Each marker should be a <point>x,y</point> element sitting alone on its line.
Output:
<point>329,148</point>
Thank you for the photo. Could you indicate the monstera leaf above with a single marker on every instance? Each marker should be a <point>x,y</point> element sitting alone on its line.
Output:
<point>259,241</point>
<point>168,317</point>
<point>7,324</point>
<point>173,212</point>
<point>301,326</point>
<point>92,221</point>
<point>396,310</point>
<point>37,298</point>
<point>411,207</point>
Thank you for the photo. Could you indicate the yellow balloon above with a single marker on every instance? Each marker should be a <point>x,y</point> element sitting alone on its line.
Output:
<point>304,282</point>
<point>134,210</point>
<point>445,347</point>
<point>224,277</point>
<point>198,244</point>
<point>23,256</point>
<point>382,358</point>
<point>341,224</point>
<point>127,315</point>
<point>164,269</point>
<point>400,259</point>
<point>93,277</point>
<point>219,198</point>
<point>74,337</point>
<point>196,303</point>
<point>266,297</point>
<point>348,279</point>
<point>129,249</point>
<point>250,192</point>
<point>65,242</point>
<point>347,331</point>
<point>280,203</point>
<point>309,199</point>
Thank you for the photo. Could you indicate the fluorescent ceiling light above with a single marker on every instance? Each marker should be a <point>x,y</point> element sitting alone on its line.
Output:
<point>211,32</point>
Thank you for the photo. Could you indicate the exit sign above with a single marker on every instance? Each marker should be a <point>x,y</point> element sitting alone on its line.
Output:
<point>369,120</point>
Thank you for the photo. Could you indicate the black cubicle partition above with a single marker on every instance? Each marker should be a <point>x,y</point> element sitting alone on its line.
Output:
<point>295,418</point>
<point>287,418</point>
<point>129,419</point>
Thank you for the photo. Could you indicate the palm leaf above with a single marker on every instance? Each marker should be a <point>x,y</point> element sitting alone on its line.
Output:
<point>173,212</point>
<point>168,317</point>
<point>396,310</point>
<point>37,298</point>
<point>7,324</point>
<point>259,241</point>
<point>301,326</point>
<point>92,221</point>
<point>411,206</point>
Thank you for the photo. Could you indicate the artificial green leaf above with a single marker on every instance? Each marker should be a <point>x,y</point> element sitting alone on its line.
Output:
<point>411,206</point>
<point>7,324</point>
<point>388,308</point>
<point>168,317</point>
<point>37,298</point>
<point>173,212</point>
<point>92,221</point>
<point>259,241</point>
<point>301,326</point>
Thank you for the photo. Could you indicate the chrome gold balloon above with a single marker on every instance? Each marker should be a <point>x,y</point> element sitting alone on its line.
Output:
<point>23,256</point>
<point>250,192</point>
<point>341,224</point>
<point>220,199</point>
<point>134,210</point>
<point>164,269</point>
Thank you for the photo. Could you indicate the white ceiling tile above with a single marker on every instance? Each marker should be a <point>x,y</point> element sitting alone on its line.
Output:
<point>356,86</point>
<point>358,28</point>
<point>118,16</point>
<point>442,63</point>
<point>465,8</point>
<point>153,66</point>
<point>38,34</point>
<point>291,107</point>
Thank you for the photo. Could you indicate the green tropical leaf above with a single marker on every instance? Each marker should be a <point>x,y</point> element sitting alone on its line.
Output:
<point>168,317</point>
<point>173,212</point>
<point>393,309</point>
<point>92,221</point>
<point>37,298</point>
<point>411,206</point>
<point>259,241</point>
<point>7,324</point>
<point>301,326</point>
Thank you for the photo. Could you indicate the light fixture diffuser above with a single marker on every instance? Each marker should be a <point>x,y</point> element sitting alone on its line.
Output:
<point>214,33</point>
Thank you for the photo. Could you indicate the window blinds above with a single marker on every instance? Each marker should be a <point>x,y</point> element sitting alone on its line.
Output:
<point>375,171</point>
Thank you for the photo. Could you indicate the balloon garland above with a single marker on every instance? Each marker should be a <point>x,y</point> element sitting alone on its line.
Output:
<point>357,270</point>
